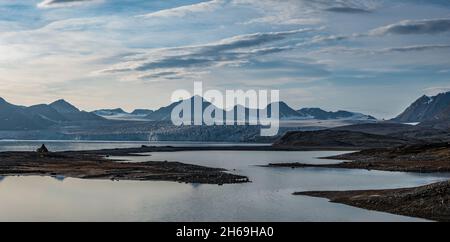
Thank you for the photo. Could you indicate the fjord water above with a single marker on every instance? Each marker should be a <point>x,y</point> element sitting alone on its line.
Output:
<point>61,145</point>
<point>267,198</point>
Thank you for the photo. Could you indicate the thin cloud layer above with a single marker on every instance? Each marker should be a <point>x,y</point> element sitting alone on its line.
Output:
<point>347,10</point>
<point>426,26</point>
<point>187,9</point>
<point>417,48</point>
<point>63,3</point>
<point>230,51</point>
<point>403,49</point>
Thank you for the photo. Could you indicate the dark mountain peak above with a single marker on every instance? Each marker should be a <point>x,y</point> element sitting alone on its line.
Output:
<point>197,96</point>
<point>426,108</point>
<point>62,106</point>
<point>3,102</point>
<point>142,112</point>
<point>113,111</point>
<point>318,113</point>
<point>281,104</point>
<point>60,101</point>
<point>239,106</point>
<point>423,98</point>
<point>39,106</point>
<point>110,112</point>
<point>14,117</point>
<point>312,109</point>
<point>72,113</point>
<point>343,112</point>
<point>204,101</point>
<point>285,111</point>
<point>444,94</point>
<point>118,110</point>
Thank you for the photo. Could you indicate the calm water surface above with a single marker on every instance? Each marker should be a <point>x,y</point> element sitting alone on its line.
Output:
<point>267,198</point>
<point>57,145</point>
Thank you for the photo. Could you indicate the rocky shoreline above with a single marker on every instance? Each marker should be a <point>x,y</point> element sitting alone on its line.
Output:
<point>430,158</point>
<point>430,202</point>
<point>96,165</point>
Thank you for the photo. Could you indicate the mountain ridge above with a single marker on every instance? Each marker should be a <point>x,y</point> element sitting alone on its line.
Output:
<point>285,112</point>
<point>426,108</point>
<point>40,116</point>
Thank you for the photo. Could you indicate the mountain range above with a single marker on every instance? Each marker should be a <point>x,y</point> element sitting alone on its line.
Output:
<point>285,112</point>
<point>432,115</point>
<point>120,112</point>
<point>14,117</point>
<point>61,120</point>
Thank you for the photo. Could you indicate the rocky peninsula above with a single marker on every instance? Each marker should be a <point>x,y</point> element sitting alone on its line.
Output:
<point>95,164</point>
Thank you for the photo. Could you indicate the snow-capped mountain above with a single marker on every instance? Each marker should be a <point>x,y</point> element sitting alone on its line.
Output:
<point>110,112</point>
<point>120,114</point>
<point>425,109</point>
<point>285,113</point>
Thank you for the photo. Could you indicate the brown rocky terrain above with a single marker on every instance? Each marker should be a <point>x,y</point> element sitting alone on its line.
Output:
<point>430,202</point>
<point>95,165</point>
<point>411,158</point>
<point>338,139</point>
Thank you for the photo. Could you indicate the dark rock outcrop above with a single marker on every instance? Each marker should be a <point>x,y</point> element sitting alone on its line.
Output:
<point>429,202</point>
<point>42,150</point>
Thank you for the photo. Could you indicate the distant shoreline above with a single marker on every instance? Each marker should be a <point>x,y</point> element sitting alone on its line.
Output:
<point>132,141</point>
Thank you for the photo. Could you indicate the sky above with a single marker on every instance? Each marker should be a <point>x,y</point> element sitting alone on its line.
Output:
<point>370,56</point>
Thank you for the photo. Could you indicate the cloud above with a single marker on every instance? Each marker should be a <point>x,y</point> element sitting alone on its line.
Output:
<point>331,38</point>
<point>426,26</point>
<point>231,51</point>
<point>416,48</point>
<point>63,3</point>
<point>186,10</point>
<point>348,10</point>
<point>429,26</point>
<point>281,20</point>
<point>403,49</point>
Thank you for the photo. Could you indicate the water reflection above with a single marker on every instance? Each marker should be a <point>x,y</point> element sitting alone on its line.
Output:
<point>196,185</point>
<point>268,198</point>
<point>59,178</point>
<point>55,145</point>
